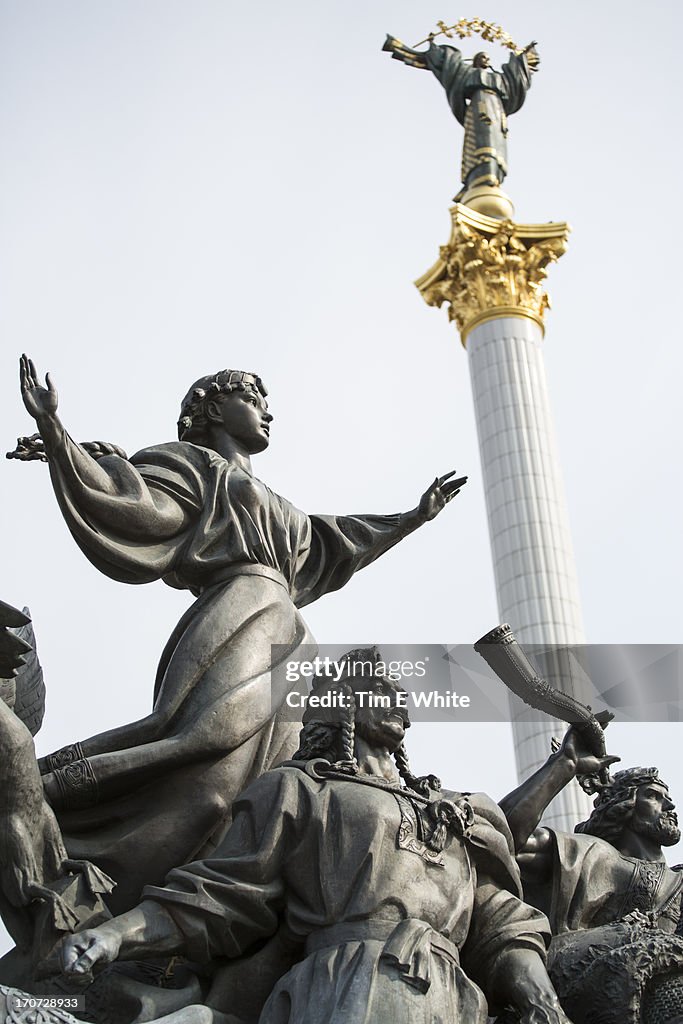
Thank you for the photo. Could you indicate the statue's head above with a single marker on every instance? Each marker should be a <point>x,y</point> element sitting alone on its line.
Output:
<point>363,701</point>
<point>638,800</point>
<point>231,401</point>
<point>481,60</point>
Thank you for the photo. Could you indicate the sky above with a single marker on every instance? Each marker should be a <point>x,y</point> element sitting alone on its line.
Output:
<point>190,186</point>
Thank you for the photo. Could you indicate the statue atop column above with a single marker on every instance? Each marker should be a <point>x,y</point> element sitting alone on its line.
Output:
<point>481,99</point>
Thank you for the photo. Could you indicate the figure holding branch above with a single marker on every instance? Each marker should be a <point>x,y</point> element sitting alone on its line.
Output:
<point>481,99</point>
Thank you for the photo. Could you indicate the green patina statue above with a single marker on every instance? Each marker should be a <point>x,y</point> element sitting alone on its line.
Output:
<point>481,99</point>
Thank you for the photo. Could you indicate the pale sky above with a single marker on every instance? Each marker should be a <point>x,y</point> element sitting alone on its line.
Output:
<point>193,185</point>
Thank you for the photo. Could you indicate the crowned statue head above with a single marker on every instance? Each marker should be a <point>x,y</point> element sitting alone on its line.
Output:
<point>230,401</point>
<point>634,799</point>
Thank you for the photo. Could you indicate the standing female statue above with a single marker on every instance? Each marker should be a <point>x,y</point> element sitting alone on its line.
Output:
<point>140,799</point>
<point>481,99</point>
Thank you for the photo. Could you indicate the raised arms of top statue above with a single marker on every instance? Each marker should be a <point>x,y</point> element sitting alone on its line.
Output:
<point>481,99</point>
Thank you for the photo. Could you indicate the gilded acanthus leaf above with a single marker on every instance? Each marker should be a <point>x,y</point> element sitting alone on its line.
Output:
<point>490,265</point>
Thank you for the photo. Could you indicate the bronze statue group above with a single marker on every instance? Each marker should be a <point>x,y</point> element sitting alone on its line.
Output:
<point>215,863</point>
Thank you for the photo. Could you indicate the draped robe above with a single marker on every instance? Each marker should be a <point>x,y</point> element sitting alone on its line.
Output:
<point>481,99</point>
<point>158,792</point>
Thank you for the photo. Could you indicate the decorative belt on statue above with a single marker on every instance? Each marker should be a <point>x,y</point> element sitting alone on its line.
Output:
<point>409,945</point>
<point>244,569</point>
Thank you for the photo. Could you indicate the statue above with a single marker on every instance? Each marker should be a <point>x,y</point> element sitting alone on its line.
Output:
<point>404,900</point>
<point>481,99</point>
<point>140,799</point>
<point>613,903</point>
<point>43,892</point>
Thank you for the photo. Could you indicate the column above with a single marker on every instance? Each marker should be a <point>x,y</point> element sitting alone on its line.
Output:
<point>491,274</point>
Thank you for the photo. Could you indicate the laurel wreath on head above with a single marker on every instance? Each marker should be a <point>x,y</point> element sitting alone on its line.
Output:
<point>466,27</point>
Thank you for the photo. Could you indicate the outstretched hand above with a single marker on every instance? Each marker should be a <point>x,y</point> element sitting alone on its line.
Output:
<point>532,56</point>
<point>40,401</point>
<point>438,494</point>
<point>80,952</point>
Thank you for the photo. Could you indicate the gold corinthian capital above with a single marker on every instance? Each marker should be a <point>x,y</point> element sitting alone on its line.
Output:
<point>492,268</point>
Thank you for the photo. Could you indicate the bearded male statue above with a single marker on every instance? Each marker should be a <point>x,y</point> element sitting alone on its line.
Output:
<point>613,902</point>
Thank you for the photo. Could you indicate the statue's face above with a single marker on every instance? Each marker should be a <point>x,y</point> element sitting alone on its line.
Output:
<point>245,418</point>
<point>380,719</point>
<point>481,60</point>
<point>654,815</point>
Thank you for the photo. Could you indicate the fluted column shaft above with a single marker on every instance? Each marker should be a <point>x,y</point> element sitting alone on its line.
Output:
<point>491,275</point>
<point>533,561</point>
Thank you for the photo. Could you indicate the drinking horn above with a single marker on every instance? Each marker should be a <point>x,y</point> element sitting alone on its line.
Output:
<point>502,653</point>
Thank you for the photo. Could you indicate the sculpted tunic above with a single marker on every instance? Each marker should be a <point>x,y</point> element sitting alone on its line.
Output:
<point>616,924</point>
<point>158,792</point>
<point>390,930</point>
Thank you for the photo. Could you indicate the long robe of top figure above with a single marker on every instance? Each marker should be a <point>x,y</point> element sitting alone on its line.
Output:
<point>481,99</point>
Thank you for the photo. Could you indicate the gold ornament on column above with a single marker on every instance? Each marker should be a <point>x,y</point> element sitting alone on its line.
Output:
<point>492,268</point>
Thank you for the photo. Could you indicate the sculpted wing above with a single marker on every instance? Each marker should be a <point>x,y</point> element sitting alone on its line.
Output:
<point>22,686</point>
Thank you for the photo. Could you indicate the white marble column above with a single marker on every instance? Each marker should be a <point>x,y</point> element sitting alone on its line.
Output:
<point>531,545</point>
<point>491,275</point>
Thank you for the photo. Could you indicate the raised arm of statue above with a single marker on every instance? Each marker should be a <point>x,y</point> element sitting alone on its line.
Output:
<point>525,806</point>
<point>399,51</point>
<point>516,75</point>
<point>446,64</point>
<point>108,488</point>
<point>532,55</point>
<point>341,545</point>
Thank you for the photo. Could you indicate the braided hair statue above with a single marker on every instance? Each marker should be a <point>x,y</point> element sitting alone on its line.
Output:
<point>330,732</point>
